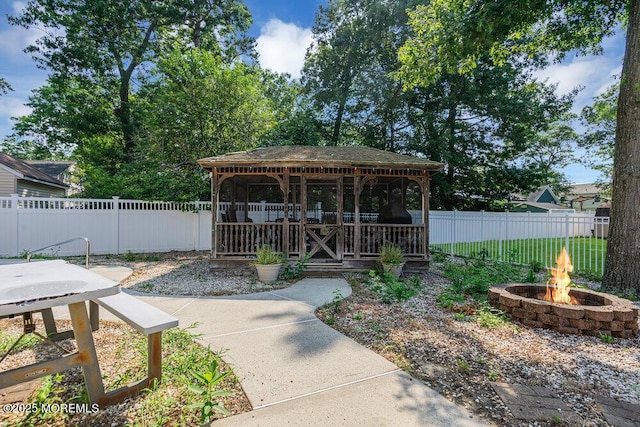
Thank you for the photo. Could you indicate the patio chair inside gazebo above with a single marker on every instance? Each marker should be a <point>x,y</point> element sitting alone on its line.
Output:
<point>336,204</point>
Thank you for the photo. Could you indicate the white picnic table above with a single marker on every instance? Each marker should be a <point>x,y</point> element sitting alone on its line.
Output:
<point>38,286</point>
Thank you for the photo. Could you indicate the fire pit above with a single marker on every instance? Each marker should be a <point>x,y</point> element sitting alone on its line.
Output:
<point>594,313</point>
<point>566,309</point>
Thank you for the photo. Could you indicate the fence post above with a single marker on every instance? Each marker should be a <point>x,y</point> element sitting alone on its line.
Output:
<point>453,232</point>
<point>263,211</point>
<point>530,248</point>
<point>115,223</point>
<point>500,242</point>
<point>198,206</point>
<point>14,226</point>
<point>481,228</point>
<point>566,230</point>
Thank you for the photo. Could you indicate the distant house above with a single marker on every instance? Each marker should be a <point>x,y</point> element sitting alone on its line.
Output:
<point>586,197</point>
<point>541,200</point>
<point>59,169</point>
<point>18,177</point>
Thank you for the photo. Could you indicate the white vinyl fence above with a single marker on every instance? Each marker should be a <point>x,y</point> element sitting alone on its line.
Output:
<point>116,226</point>
<point>112,226</point>
<point>522,238</point>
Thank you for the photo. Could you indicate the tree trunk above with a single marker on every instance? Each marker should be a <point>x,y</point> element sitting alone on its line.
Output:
<point>124,114</point>
<point>450,201</point>
<point>622,268</point>
<point>337,124</point>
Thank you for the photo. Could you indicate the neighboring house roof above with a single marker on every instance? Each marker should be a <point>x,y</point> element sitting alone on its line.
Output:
<point>54,168</point>
<point>516,197</point>
<point>313,155</point>
<point>25,171</point>
<point>544,192</point>
<point>544,206</point>
<point>585,191</point>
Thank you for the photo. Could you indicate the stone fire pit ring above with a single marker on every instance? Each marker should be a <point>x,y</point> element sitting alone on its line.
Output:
<point>597,312</point>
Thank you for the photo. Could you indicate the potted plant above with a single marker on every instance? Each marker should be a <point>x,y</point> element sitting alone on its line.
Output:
<point>268,263</point>
<point>391,259</point>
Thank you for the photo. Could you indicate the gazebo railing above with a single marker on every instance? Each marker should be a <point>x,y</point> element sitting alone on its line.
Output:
<point>372,236</point>
<point>245,238</point>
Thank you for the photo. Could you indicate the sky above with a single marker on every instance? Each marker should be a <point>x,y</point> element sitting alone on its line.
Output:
<point>282,29</point>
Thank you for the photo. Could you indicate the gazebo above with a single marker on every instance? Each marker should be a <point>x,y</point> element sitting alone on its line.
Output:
<point>336,205</point>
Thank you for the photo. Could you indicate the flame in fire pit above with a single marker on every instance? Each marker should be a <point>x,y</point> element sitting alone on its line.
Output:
<point>558,285</point>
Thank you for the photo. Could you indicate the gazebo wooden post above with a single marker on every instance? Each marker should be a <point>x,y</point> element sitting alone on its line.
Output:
<point>424,187</point>
<point>284,186</point>
<point>303,213</point>
<point>234,194</point>
<point>340,219</point>
<point>214,212</point>
<point>246,202</point>
<point>356,220</point>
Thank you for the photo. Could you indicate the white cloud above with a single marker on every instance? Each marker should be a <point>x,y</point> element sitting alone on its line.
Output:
<point>592,74</point>
<point>18,6</point>
<point>13,107</point>
<point>14,39</point>
<point>10,107</point>
<point>282,47</point>
<point>572,75</point>
<point>614,77</point>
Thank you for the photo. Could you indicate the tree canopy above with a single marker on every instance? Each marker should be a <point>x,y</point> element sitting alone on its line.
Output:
<point>101,57</point>
<point>138,90</point>
<point>453,37</point>
<point>599,137</point>
<point>478,124</point>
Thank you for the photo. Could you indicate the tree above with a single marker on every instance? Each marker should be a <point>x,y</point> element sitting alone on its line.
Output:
<point>4,86</point>
<point>599,138</point>
<point>549,151</point>
<point>346,72</point>
<point>197,107</point>
<point>106,42</point>
<point>452,35</point>
<point>477,124</point>
<point>622,267</point>
<point>69,117</point>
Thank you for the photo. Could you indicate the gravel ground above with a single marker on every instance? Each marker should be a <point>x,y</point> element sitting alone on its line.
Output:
<point>185,273</point>
<point>460,359</point>
<point>457,358</point>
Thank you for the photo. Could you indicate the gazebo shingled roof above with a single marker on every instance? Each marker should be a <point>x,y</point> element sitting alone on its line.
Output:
<point>342,156</point>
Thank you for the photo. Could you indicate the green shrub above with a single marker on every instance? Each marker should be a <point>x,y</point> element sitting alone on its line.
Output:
<point>209,391</point>
<point>390,288</point>
<point>536,266</point>
<point>531,276</point>
<point>266,255</point>
<point>606,338</point>
<point>391,254</point>
<point>491,317</point>
<point>295,271</point>
<point>438,256</point>
<point>449,300</point>
<point>475,278</point>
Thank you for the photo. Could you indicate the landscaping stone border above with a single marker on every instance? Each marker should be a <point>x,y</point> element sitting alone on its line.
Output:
<point>599,313</point>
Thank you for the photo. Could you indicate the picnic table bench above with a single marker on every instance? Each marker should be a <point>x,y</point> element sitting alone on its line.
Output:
<point>147,320</point>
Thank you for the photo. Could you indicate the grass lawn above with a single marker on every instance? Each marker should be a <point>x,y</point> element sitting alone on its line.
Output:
<point>587,254</point>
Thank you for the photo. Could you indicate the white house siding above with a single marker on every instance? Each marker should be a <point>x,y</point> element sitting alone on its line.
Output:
<point>7,183</point>
<point>32,189</point>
